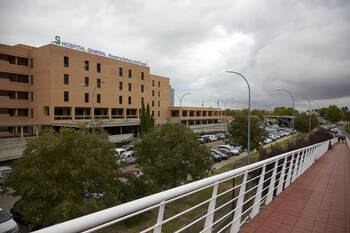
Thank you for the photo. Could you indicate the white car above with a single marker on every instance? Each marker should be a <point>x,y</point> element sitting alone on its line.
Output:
<point>7,224</point>
<point>119,151</point>
<point>127,157</point>
<point>267,140</point>
<point>4,171</point>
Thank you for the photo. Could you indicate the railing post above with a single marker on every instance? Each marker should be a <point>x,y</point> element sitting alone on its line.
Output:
<point>289,171</point>
<point>158,229</point>
<point>257,198</point>
<point>272,184</point>
<point>296,165</point>
<point>210,217</point>
<point>302,160</point>
<point>281,180</point>
<point>239,206</point>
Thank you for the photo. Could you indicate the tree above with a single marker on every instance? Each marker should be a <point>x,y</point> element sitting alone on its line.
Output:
<point>239,132</point>
<point>333,114</point>
<point>147,120</point>
<point>64,175</point>
<point>283,111</point>
<point>171,155</point>
<point>302,123</point>
<point>345,109</point>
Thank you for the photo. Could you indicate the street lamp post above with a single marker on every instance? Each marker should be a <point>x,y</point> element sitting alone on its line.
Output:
<point>93,100</point>
<point>180,99</point>
<point>308,99</point>
<point>290,93</point>
<point>233,72</point>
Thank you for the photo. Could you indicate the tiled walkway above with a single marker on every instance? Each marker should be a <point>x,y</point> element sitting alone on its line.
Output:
<point>319,201</point>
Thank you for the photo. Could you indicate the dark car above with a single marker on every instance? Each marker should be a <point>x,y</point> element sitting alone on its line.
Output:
<point>215,157</point>
<point>221,154</point>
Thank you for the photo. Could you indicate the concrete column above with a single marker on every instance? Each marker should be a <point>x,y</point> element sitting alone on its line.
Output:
<point>73,113</point>
<point>124,113</point>
<point>21,131</point>
<point>37,130</point>
<point>109,111</point>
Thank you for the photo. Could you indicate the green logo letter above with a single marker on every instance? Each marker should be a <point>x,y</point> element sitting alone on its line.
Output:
<point>57,40</point>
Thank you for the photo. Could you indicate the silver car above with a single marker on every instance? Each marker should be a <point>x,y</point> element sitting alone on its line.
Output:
<point>7,224</point>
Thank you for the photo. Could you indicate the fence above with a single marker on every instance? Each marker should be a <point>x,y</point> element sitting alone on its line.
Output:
<point>260,182</point>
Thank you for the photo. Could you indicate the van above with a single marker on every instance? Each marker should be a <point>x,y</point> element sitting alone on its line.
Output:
<point>4,171</point>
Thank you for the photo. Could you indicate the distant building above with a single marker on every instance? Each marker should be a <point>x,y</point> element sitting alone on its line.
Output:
<point>172,97</point>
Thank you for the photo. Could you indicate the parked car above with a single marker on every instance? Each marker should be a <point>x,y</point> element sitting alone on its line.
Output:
<point>4,171</point>
<point>225,151</point>
<point>206,138</point>
<point>134,173</point>
<point>211,138</point>
<point>221,154</point>
<point>127,157</point>
<point>7,224</point>
<point>267,140</point>
<point>200,139</point>
<point>234,151</point>
<point>119,151</point>
<point>215,157</point>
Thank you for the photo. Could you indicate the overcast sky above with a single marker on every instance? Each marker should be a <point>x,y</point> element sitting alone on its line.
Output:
<point>302,46</point>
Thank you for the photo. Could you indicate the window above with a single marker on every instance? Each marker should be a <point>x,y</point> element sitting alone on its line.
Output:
<point>31,80</point>
<point>66,96</point>
<point>98,84</point>
<point>129,100</point>
<point>120,86</point>
<point>152,92</point>
<point>120,99</point>
<point>158,83</point>
<point>66,79</point>
<point>86,97</point>
<point>158,93</point>
<point>86,81</point>
<point>142,76</point>
<point>98,68</point>
<point>152,103</point>
<point>129,73</point>
<point>152,113</point>
<point>158,103</point>
<point>98,98</point>
<point>152,83</point>
<point>129,86</point>
<point>158,113</point>
<point>86,65</point>
<point>31,63</point>
<point>142,88</point>
<point>142,101</point>
<point>47,111</point>
<point>66,62</point>
<point>120,71</point>
<point>31,113</point>
<point>31,96</point>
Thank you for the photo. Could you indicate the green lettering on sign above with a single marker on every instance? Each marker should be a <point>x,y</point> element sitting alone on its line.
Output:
<point>57,40</point>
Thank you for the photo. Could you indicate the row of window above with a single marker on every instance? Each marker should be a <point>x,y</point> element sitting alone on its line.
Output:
<point>98,68</point>
<point>98,84</point>
<point>98,99</point>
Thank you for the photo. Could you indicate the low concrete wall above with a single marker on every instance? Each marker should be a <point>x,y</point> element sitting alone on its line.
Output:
<point>11,152</point>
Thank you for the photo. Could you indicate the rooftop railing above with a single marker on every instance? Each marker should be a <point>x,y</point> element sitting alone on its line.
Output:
<point>258,184</point>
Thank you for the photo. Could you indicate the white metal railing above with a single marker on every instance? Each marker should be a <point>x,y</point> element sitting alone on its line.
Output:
<point>260,183</point>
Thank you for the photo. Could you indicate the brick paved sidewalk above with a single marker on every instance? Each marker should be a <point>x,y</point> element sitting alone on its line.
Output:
<point>319,201</point>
